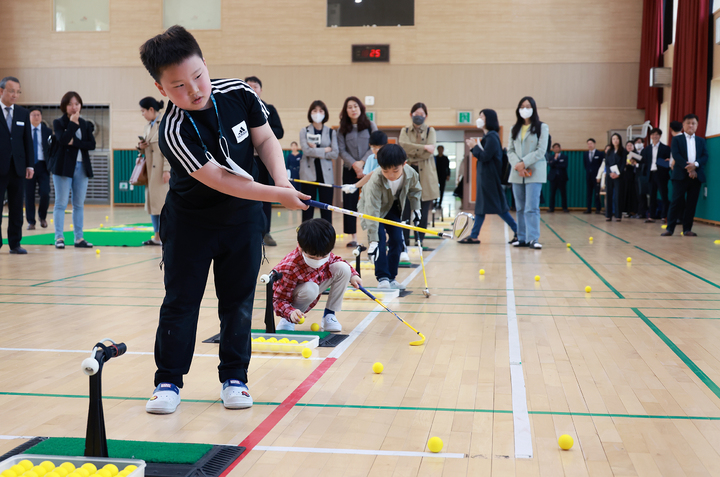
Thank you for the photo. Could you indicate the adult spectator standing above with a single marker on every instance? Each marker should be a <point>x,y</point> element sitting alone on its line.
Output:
<point>654,173</point>
<point>628,196</point>
<point>676,128</point>
<point>17,159</point>
<point>41,135</point>
<point>418,141</point>
<point>354,148</point>
<point>558,176</point>
<point>292,162</point>
<point>263,174</point>
<point>442,165</point>
<point>592,160</point>
<point>615,161</point>
<point>158,168</point>
<point>690,154</point>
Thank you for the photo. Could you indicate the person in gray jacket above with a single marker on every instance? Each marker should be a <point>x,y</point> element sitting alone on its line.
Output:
<point>526,154</point>
<point>319,145</point>
<point>354,147</point>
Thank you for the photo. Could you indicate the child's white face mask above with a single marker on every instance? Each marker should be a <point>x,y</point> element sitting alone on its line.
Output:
<point>314,262</point>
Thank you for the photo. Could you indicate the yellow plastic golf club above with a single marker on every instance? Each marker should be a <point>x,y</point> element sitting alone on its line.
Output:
<point>426,291</point>
<point>321,184</point>
<point>412,343</point>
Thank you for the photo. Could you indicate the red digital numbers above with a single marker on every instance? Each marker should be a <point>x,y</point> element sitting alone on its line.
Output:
<point>375,53</point>
<point>371,53</point>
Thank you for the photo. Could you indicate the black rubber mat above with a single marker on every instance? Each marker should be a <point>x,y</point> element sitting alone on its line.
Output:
<point>405,293</point>
<point>22,448</point>
<point>331,341</point>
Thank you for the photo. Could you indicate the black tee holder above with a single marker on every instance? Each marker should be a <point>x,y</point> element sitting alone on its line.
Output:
<point>95,438</point>
<point>269,310</point>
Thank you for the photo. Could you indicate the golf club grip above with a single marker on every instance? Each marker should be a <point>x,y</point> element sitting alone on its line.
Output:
<point>362,289</point>
<point>321,184</point>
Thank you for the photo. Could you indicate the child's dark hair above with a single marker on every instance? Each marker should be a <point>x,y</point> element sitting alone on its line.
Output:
<point>378,138</point>
<point>391,155</point>
<point>316,237</point>
<point>169,48</point>
<point>150,102</point>
<point>676,126</point>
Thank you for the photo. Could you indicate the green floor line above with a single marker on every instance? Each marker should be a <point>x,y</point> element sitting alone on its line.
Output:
<point>685,359</point>
<point>601,230</point>
<point>389,408</point>
<point>597,274</point>
<point>91,273</point>
<point>680,268</point>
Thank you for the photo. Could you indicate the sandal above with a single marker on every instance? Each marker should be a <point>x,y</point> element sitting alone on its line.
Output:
<point>469,240</point>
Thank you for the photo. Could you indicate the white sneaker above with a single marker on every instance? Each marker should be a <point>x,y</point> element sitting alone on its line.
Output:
<point>330,323</point>
<point>384,283</point>
<point>285,325</point>
<point>535,245</point>
<point>235,395</point>
<point>397,285</point>
<point>165,399</point>
<point>404,257</point>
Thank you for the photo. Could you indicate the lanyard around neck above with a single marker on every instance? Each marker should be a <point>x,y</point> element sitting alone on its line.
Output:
<point>223,142</point>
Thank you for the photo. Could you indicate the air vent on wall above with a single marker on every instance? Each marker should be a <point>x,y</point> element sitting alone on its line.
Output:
<point>660,77</point>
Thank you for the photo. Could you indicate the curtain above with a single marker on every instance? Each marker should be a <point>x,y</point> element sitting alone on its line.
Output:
<point>651,56</point>
<point>690,63</point>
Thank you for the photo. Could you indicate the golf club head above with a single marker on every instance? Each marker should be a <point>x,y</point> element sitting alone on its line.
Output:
<point>462,226</point>
<point>426,292</point>
<point>419,342</point>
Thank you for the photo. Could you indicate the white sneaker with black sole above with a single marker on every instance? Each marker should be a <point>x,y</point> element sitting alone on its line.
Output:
<point>535,245</point>
<point>384,284</point>
<point>404,257</point>
<point>285,325</point>
<point>397,285</point>
<point>330,323</point>
<point>164,400</point>
<point>235,395</point>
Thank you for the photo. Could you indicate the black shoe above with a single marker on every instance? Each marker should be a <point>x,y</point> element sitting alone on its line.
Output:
<point>520,244</point>
<point>18,251</point>
<point>551,210</point>
<point>598,211</point>
<point>649,221</point>
<point>351,244</point>
<point>60,243</point>
<point>269,241</point>
<point>535,245</point>
<point>689,233</point>
<point>587,212</point>
<point>83,244</point>
<point>514,240</point>
<point>31,227</point>
<point>567,211</point>
<point>608,219</point>
<point>666,234</point>
<point>151,242</point>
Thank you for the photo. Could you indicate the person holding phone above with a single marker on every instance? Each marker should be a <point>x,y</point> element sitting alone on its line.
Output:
<point>158,168</point>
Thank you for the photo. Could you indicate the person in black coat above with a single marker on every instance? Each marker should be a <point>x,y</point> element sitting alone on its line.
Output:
<point>592,160</point>
<point>442,166</point>
<point>263,176</point>
<point>17,159</point>
<point>41,137</point>
<point>490,196</point>
<point>71,167</point>
<point>557,176</point>
<point>654,173</point>
<point>615,162</point>
<point>691,156</point>
<point>628,195</point>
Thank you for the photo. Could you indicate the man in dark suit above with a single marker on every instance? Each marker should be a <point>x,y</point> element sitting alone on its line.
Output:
<point>263,174</point>
<point>691,156</point>
<point>41,135</point>
<point>557,176</point>
<point>442,166</point>
<point>16,158</point>
<point>592,161</point>
<point>653,175</point>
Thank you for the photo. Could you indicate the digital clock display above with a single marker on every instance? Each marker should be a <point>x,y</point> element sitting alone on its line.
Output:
<point>370,53</point>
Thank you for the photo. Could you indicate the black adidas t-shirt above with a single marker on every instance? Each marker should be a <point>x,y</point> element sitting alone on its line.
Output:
<point>239,109</point>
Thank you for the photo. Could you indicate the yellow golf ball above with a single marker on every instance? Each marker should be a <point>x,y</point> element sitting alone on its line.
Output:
<point>26,464</point>
<point>278,214</point>
<point>284,340</point>
<point>112,468</point>
<point>82,472</point>
<point>537,278</point>
<point>272,340</point>
<point>104,473</point>
<point>39,470</point>
<point>31,473</point>
<point>377,368</point>
<point>97,251</point>
<point>107,217</point>
<point>717,242</point>
<point>18,469</point>
<point>302,320</point>
<point>565,442</point>
<point>482,271</point>
<point>663,226</point>
<point>49,466</point>
<point>101,225</point>
<point>130,468</point>
<point>588,289</point>
<point>629,259</point>
<point>306,352</point>
<point>591,239</point>
<point>315,327</point>
<point>293,342</point>
<point>68,466</point>
<point>435,444</point>
<point>568,245</point>
<point>52,474</point>
<point>261,339</point>
<point>8,473</point>
<point>62,472</point>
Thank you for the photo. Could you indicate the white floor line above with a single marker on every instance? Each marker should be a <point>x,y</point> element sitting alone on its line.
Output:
<point>342,347</point>
<point>322,450</point>
<point>521,419</point>
<point>10,438</point>
<point>147,353</point>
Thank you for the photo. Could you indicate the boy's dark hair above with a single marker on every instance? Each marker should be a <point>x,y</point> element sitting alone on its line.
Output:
<point>391,155</point>
<point>656,131</point>
<point>591,139</point>
<point>691,116</point>
<point>253,79</point>
<point>378,138</point>
<point>66,100</point>
<point>316,237</point>
<point>169,48</point>
<point>676,126</point>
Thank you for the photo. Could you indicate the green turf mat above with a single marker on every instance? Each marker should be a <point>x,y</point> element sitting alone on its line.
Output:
<point>151,452</point>
<point>113,236</point>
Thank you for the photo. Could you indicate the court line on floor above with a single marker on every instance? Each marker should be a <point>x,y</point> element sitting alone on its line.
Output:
<point>679,268</point>
<point>324,450</point>
<point>96,271</point>
<point>149,353</point>
<point>601,230</point>
<point>680,354</point>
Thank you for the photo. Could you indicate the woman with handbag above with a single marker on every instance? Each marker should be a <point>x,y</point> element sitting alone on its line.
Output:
<point>157,168</point>
<point>71,167</point>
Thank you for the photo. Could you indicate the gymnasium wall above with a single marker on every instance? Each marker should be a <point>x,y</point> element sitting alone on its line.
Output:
<point>460,55</point>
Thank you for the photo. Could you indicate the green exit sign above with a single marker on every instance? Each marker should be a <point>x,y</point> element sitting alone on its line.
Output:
<point>371,116</point>
<point>464,117</point>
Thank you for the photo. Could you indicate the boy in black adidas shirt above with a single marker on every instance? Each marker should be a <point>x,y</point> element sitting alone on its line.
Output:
<point>212,214</point>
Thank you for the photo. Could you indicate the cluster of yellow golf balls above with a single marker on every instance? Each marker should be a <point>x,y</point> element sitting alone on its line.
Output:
<point>26,468</point>
<point>278,345</point>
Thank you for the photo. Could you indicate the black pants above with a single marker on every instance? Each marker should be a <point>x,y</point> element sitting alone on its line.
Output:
<point>628,196</point>
<point>659,183</point>
<point>612,197</point>
<point>407,215</point>
<point>558,185</point>
<point>324,194</point>
<point>41,177</point>
<point>441,182</point>
<point>188,252</point>
<point>688,186</point>
<point>14,185</point>
<point>592,190</point>
<point>642,186</point>
<point>350,202</point>
<point>264,177</point>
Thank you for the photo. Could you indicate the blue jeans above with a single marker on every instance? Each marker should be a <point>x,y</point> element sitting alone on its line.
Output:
<point>78,183</point>
<point>155,219</point>
<point>480,218</point>
<point>527,203</point>
<point>386,265</point>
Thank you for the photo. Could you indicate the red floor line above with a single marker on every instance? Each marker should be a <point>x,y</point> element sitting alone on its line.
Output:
<point>259,433</point>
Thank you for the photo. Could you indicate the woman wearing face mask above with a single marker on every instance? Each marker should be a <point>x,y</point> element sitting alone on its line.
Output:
<point>628,197</point>
<point>320,148</point>
<point>353,140</point>
<point>418,141</point>
<point>526,154</point>
<point>158,168</point>
<point>490,196</point>
<point>615,161</point>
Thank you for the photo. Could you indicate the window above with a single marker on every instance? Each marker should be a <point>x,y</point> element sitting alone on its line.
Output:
<point>187,14</point>
<point>82,15</point>
<point>353,13</point>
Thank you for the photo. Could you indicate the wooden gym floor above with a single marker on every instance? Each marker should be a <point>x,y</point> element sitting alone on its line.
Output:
<point>630,370</point>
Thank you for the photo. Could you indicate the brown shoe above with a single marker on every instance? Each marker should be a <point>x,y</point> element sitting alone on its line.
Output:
<point>666,234</point>
<point>689,233</point>
<point>649,221</point>
<point>43,223</point>
<point>31,227</point>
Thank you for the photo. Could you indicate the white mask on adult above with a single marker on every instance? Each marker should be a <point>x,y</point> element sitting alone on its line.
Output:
<point>314,262</point>
<point>525,113</point>
<point>480,123</point>
<point>318,117</point>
